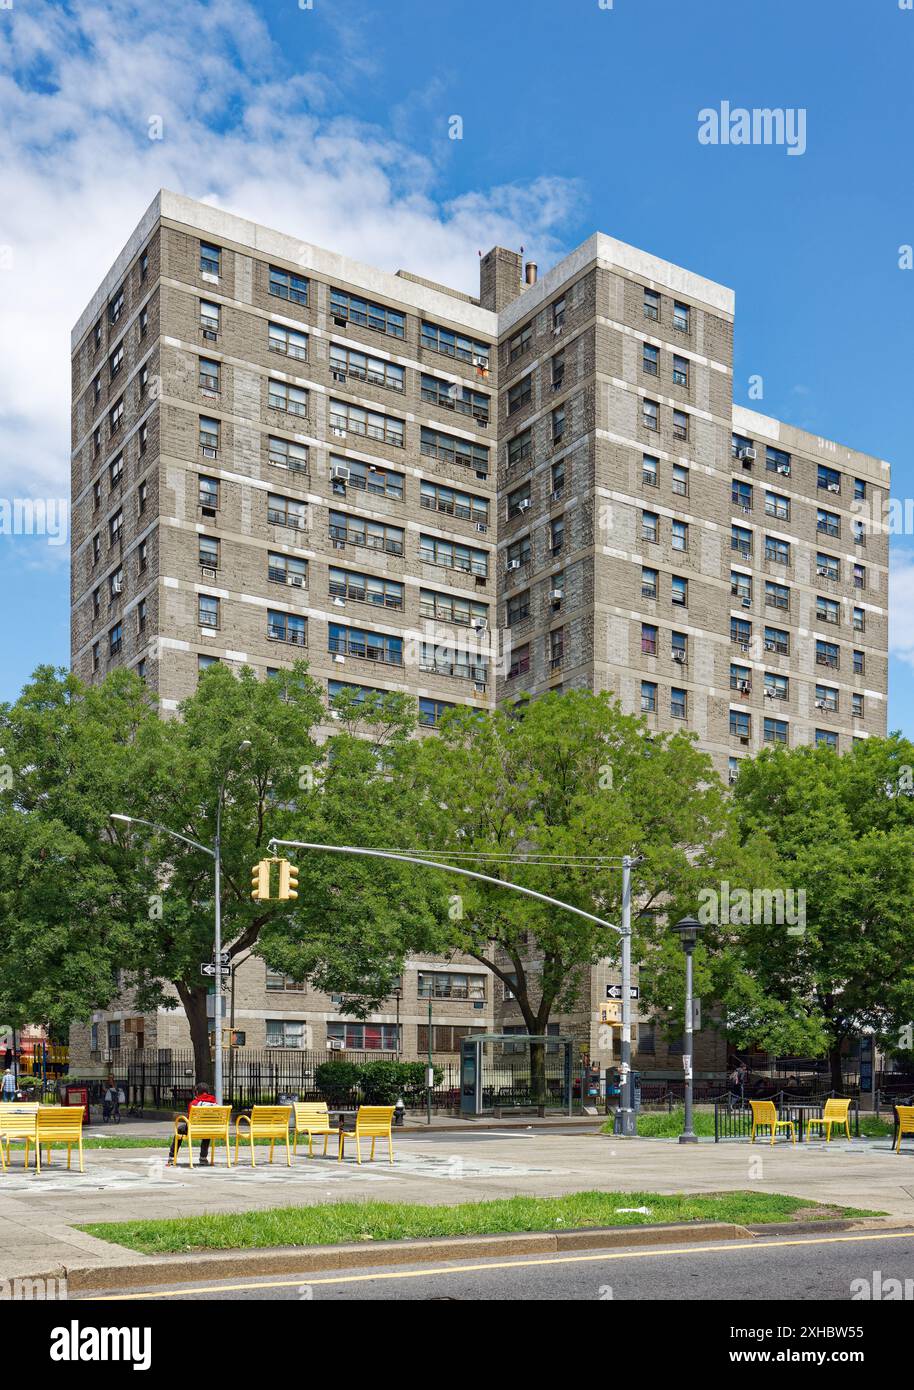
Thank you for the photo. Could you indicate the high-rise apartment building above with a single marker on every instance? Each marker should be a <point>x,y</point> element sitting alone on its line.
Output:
<point>278,451</point>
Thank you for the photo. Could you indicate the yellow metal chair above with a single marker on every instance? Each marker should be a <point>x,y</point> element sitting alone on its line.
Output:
<point>905,1115</point>
<point>265,1122</point>
<point>311,1117</point>
<point>19,1120</point>
<point>372,1122</point>
<point>57,1124</point>
<point>834,1112</point>
<point>765,1116</point>
<point>204,1122</point>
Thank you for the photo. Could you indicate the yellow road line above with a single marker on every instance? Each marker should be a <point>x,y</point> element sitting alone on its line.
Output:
<point>758,1244</point>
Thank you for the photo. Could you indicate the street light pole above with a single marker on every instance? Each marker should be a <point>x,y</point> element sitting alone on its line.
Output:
<point>688,929</point>
<point>625,1059</point>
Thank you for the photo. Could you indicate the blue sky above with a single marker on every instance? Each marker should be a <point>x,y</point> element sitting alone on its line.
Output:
<point>332,123</point>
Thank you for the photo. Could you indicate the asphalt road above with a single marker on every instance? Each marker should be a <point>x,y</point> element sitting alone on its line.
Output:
<point>778,1268</point>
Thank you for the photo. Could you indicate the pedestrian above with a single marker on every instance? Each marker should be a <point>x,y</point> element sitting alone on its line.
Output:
<point>111,1108</point>
<point>8,1056</point>
<point>8,1089</point>
<point>202,1096</point>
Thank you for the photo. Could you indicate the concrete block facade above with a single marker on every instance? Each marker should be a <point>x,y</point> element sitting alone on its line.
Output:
<point>279,452</point>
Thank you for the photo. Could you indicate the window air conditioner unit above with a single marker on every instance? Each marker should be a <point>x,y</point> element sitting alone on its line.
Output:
<point>732,775</point>
<point>513,565</point>
<point>117,586</point>
<point>747,602</point>
<point>834,487</point>
<point>339,602</point>
<point>744,738</point>
<point>744,646</point>
<point>339,473</point>
<point>338,431</point>
<point>557,495</point>
<point>745,687</point>
<point>482,527</point>
<point>340,658</point>
<point>679,657</point>
<point>770,647</point>
<point>746,455</point>
<point>106,1054</point>
<point>822,569</point>
<point>820,704</point>
<point>208,451</point>
<point>297,581</point>
<point>769,694</point>
<point>210,334</point>
<point>784,468</point>
<point>481,625</point>
<point>523,506</point>
<point>207,572</point>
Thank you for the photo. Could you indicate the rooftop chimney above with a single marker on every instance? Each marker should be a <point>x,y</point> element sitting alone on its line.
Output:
<point>530,272</point>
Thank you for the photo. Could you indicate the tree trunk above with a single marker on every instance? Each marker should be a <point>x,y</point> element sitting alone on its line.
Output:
<point>834,1062</point>
<point>194,1000</point>
<point>538,1073</point>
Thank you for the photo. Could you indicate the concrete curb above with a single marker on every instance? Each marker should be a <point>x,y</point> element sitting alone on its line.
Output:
<point>231,1264</point>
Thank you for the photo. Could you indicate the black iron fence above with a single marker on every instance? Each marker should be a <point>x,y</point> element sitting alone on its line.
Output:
<point>733,1114</point>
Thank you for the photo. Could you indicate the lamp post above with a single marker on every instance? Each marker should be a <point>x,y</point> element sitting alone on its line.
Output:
<point>688,929</point>
<point>215,853</point>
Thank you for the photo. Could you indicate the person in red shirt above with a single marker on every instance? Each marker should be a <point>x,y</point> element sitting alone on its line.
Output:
<point>202,1096</point>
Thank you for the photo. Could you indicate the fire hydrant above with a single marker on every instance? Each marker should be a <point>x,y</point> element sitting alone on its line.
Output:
<point>399,1112</point>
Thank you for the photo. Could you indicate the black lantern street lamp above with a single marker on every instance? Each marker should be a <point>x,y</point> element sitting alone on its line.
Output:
<point>688,929</point>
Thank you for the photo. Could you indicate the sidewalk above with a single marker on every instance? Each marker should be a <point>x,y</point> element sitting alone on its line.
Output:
<point>37,1214</point>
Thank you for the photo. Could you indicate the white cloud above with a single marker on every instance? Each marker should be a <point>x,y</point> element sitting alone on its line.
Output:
<point>243,129</point>
<point>901,604</point>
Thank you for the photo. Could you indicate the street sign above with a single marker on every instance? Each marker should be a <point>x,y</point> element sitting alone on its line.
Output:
<point>615,992</point>
<point>208,968</point>
<point>224,958</point>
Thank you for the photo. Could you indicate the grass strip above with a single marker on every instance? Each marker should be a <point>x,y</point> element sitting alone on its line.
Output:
<point>342,1222</point>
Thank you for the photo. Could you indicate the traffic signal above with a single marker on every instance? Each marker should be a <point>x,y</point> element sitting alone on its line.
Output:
<point>288,880</point>
<point>260,880</point>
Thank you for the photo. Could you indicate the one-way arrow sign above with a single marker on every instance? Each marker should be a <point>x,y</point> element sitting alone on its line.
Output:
<point>615,992</point>
<point>208,968</point>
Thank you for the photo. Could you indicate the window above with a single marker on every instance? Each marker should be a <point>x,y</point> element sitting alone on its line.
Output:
<point>776,687</point>
<point>142,497</point>
<point>208,552</point>
<point>365,1037</point>
<point>518,553</point>
<point>142,613</point>
<point>115,362</point>
<point>680,479</point>
<point>96,656</point>
<point>652,305</point>
<point>679,534</point>
<point>777,551</point>
<point>679,648</point>
<point>364,588</point>
<point>209,492</point>
<point>448,395</point>
<point>648,582</point>
<point>777,641</point>
<point>287,1032</point>
<point>777,505</point>
<point>209,317</point>
<point>679,591</point>
<point>209,435</point>
<point>144,322</point>
<point>369,646</point>
<point>558,313</point>
<point>278,983</point>
<point>859,620</point>
<point>827,610</point>
<point>680,424</point>
<point>520,448</point>
<point>648,639</point>
<point>346,363</point>
<point>286,511</point>
<point>430,711</point>
<point>774,731</point>
<point>115,584</point>
<point>451,608</point>
<point>558,479</point>
<point>859,489</point>
<point>558,425</point>
<point>289,342</point>
<point>114,1034</point>
<point>558,371</point>
<point>742,448</point>
<point>96,602</point>
<point>741,541</point>
<point>381,482</point>
<point>859,663</point>
<point>859,531</point>
<point>518,501</point>
<point>777,595</point>
<point>374,535</point>
<point>292,399</point>
<point>519,394</point>
<point>557,534</point>
<point>116,305</point>
<point>648,697</point>
<point>210,259</point>
<point>451,344</point>
<point>96,548</point>
<point>285,453</point>
<point>351,308</point>
<point>144,265</point>
<point>740,678</point>
<point>96,441</point>
<point>208,375</point>
<point>650,526</point>
<point>284,284</point>
<point>453,502</point>
<point>741,494</point>
<point>115,471</point>
<point>287,627</point>
<point>825,738</point>
<point>116,416</point>
<point>517,608</point>
<point>649,467</point>
<point>556,648</point>
<point>681,371</point>
<point>97,335</point>
<point>142,555</point>
<point>681,316</point>
<point>828,523</point>
<point>649,414</point>
<point>140,669</point>
<point>741,586</point>
<point>115,639</point>
<point>449,449</point>
<point>857,705</point>
<point>777,461</point>
<point>859,577</point>
<point>116,527</point>
<point>677,703</point>
<point>827,698</point>
<point>442,984</point>
<point>828,567</point>
<point>828,479</point>
<point>205,662</point>
<point>144,436</point>
<point>520,661</point>
<point>520,343</point>
<point>446,1037</point>
<point>288,569</point>
<point>650,359</point>
<point>451,555</point>
<point>207,610</point>
<point>740,724</point>
<point>827,654</point>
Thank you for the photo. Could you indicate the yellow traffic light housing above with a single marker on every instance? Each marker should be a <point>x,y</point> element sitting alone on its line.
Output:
<point>260,880</point>
<point>288,880</point>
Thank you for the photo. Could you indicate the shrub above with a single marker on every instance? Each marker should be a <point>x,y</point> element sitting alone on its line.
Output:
<point>337,1080</point>
<point>384,1082</point>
